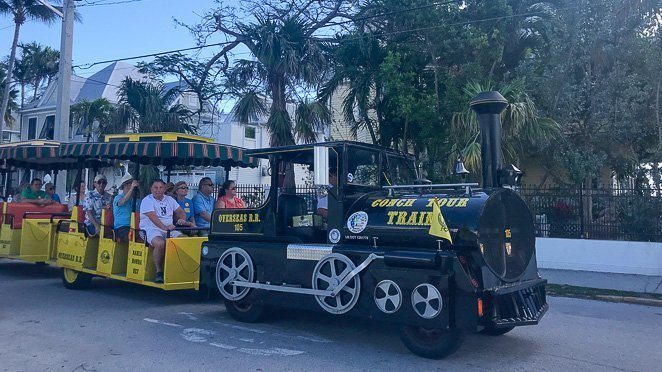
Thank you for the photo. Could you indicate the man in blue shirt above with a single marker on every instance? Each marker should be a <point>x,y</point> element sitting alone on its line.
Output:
<point>203,204</point>
<point>122,208</point>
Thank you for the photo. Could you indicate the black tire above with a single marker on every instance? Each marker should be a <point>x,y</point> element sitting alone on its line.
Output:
<point>245,312</point>
<point>73,279</point>
<point>431,343</point>
<point>491,331</point>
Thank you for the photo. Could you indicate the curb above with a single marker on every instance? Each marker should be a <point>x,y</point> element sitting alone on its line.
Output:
<point>604,295</point>
<point>631,300</point>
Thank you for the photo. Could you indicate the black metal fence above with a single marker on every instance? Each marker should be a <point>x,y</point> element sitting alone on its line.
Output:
<point>599,213</point>
<point>254,195</point>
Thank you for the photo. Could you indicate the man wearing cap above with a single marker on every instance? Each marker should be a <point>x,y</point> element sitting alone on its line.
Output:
<point>95,201</point>
<point>122,208</point>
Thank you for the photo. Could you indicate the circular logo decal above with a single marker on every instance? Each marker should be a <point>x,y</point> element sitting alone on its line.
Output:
<point>105,257</point>
<point>334,236</point>
<point>350,178</point>
<point>357,222</point>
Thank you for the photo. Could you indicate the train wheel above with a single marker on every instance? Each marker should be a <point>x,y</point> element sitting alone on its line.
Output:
<point>73,279</point>
<point>245,312</point>
<point>431,343</point>
<point>496,331</point>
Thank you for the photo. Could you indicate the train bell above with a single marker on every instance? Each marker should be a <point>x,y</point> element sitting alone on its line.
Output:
<point>460,169</point>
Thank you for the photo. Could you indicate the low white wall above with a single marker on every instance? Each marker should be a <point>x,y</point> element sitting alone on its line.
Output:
<point>600,255</point>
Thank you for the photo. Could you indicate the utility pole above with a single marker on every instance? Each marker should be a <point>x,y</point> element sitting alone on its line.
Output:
<point>61,129</point>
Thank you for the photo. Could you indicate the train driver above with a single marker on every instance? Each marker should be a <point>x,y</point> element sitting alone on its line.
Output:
<point>156,217</point>
<point>323,201</point>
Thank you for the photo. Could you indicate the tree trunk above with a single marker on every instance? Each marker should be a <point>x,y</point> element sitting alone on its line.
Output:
<point>278,135</point>
<point>36,89</point>
<point>405,148</point>
<point>368,124</point>
<point>10,71</point>
<point>658,163</point>
<point>22,94</point>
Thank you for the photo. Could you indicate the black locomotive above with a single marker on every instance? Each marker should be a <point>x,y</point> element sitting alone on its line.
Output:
<point>373,256</point>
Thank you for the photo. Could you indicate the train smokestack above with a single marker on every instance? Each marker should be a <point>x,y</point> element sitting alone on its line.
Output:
<point>489,106</point>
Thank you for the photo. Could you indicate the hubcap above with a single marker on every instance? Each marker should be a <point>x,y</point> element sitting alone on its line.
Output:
<point>329,272</point>
<point>235,265</point>
<point>70,275</point>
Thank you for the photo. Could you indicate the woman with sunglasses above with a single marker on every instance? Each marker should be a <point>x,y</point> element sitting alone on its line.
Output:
<point>50,192</point>
<point>227,196</point>
<point>180,192</point>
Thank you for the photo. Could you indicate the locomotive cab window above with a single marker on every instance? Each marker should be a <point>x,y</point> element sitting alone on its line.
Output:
<point>400,170</point>
<point>362,167</point>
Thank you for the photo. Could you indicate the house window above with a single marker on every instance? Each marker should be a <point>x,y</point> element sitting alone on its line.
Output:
<point>48,128</point>
<point>249,133</point>
<point>6,137</point>
<point>32,128</point>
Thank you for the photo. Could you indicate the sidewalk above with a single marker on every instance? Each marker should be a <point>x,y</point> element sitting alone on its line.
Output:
<point>590,279</point>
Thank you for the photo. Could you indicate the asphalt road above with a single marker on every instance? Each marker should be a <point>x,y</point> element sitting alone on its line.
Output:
<point>118,326</point>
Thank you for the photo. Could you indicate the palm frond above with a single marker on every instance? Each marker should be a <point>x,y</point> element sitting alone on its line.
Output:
<point>279,126</point>
<point>311,117</point>
<point>250,107</point>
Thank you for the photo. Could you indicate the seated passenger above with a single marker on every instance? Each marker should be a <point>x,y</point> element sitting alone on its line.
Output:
<point>95,201</point>
<point>227,196</point>
<point>203,204</point>
<point>122,208</point>
<point>323,201</point>
<point>156,216</point>
<point>34,194</point>
<point>80,190</point>
<point>170,189</point>
<point>181,190</point>
<point>50,192</point>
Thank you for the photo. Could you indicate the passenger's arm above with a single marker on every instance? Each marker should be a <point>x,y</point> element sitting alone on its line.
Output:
<point>180,217</point>
<point>90,216</point>
<point>128,195</point>
<point>200,210</point>
<point>155,220</point>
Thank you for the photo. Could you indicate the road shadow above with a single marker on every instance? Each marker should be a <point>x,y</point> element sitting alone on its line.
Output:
<point>19,270</point>
<point>376,338</point>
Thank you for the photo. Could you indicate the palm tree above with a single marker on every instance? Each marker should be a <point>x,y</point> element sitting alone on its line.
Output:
<point>21,11</point>
<point>12,104</point>
<point>522,125</point>
<point>22,74</point>
<point>356,72</point>
<point>37,65</point>
<point>286,55</point>
<point>86,114</point>
<point>145,107</point>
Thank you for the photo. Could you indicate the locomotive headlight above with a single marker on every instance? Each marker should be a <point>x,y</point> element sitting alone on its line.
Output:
<point>509,249</point>
<point>205,250</point>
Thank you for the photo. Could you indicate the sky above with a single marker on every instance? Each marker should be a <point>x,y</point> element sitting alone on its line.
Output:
<point>116,30</point>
